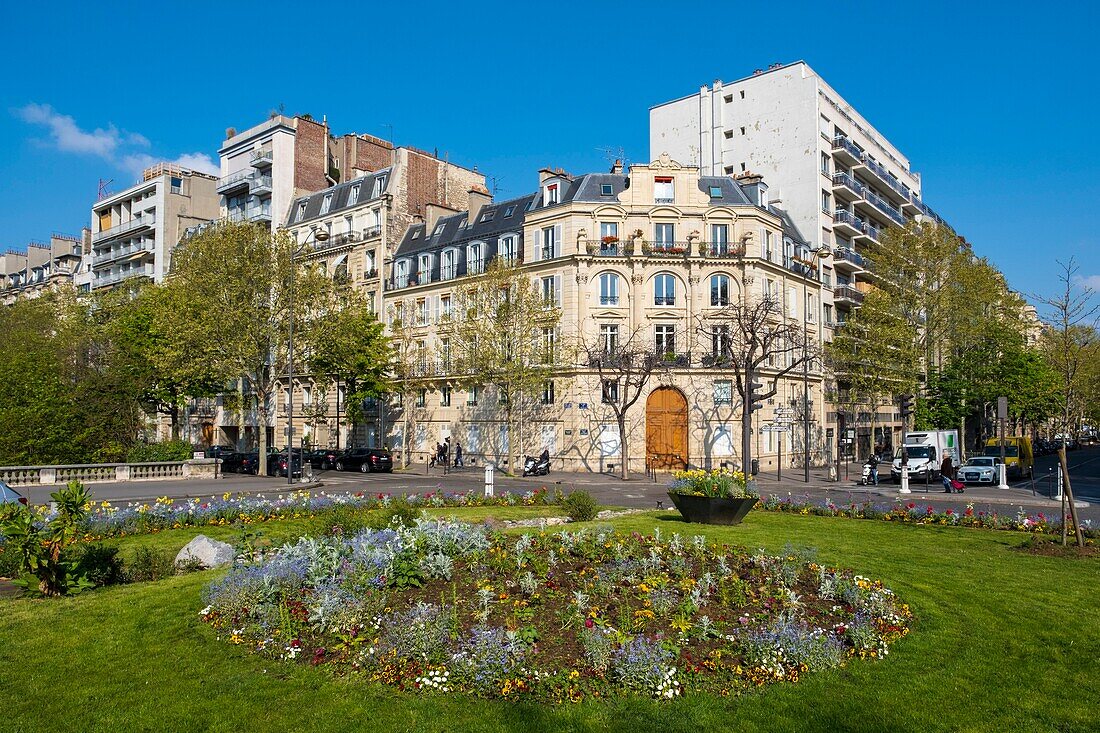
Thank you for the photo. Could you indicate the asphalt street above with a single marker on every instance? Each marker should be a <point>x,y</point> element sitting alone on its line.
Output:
<point>641,491</point>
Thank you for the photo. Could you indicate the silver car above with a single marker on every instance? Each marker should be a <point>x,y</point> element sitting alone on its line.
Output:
<point>979,470</point>
<point>8,495</point>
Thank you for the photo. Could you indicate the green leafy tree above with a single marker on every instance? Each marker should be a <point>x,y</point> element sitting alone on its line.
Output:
<point>346,344</point>
<point>236,290</point>
<point>60,399</point>
<point>496,334</point>
<point>1070,343</point>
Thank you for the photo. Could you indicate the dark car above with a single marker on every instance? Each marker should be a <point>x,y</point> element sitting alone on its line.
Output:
<point>8,495</point>
<point>250,462</point>
<point>324,459</point>
<point>231,461</point>
<point>277,463</point>
<point>365,460</point>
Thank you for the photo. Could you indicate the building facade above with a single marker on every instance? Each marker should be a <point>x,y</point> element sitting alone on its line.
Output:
<point>841,180</point>
<point>41,268</point>
<point>134,232</point>
<point>652,252</point>
<point>363,220</point>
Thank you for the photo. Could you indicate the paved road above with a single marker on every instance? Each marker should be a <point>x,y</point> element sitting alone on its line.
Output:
<point>641,492</point>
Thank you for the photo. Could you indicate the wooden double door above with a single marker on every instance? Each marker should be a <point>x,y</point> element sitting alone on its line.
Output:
<point>666,429</point>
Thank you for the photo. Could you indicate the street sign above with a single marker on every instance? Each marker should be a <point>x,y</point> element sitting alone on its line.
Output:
<point>774,428</point>
<point>1002,408</point>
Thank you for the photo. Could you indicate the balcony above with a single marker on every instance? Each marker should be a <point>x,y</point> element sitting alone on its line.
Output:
<point>847,294</point>
<point>127,227</point>
<point>844,185</point>
<point>609,249</point>
<point>261,158</point>
<point>870,233</point>
<point>119,276</point>
<point>885,207</point>
<point>259,216</point>
<point>667,249</point>
<point>847,151</point>
<point>233,182</point>
<point>102,258</point>
<point>892,184</point>
<point>846,259</point>
<point>725,249</point>
<point>845,223</point>
<point>259,185</point>
<point>374,231</point>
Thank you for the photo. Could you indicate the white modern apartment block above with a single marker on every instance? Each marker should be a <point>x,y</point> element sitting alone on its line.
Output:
<point>134,232</point>
<point>840,180</point>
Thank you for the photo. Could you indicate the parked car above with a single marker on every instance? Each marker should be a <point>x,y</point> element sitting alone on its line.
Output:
<point>277,464</point>
<point>324,459</point>
<point>365,460</point>
<point>250,463</point>
<point>979,470</point>
<point>8,495</point>
<point>231,461</point>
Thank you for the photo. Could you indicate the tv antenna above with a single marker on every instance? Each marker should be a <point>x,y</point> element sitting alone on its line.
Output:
<point>103,192</point>
<point>497,188</point>
<point>613,154</point>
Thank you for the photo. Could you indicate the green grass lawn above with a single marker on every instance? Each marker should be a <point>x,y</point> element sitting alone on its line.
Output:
<point>1002,641</point>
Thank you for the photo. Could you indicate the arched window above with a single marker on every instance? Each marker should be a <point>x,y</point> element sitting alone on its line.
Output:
<point>609,289</point>
<point>664,289</point>
<point>401,273</point>
<point>448,264</point>
<point>719,290</point>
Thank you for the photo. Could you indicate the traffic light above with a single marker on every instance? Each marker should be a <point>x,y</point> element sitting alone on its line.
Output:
<point>906,404</point>
<point>756,402</point>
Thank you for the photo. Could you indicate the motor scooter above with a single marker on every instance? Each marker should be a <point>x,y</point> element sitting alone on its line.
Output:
<point>536,466</point>
<point>869,477</point>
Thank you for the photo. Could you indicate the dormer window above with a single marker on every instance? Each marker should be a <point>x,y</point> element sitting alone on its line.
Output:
<point>326,203</point>
<point>509,211</point>
<point>379,186</point>
<point>551,195</point>
<point>506,249</point>
<point>415,233</point>
<point>663,192</point>
<point>606,189</point>
<point>438,229</point>
<point>475,259</point>
<point>301,211</point>
<point>488,216</point>
<point>353,195</point>
<point>448,264</point>
<point>424,269</point>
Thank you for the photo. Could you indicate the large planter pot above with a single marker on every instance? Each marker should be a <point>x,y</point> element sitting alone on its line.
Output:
<point>705,510</point>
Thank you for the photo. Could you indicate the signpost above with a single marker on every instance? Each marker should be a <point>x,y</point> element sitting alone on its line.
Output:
<point>779,424</point>
<point>1002,420</point>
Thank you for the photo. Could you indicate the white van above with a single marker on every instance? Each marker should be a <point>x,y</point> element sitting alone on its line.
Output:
<point>926,451</point>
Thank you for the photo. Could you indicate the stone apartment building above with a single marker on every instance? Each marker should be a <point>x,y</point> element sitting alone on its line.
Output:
<point>363,193</point>
<point>41,268</point>
<point>652,249</point>
<point>841,180</point>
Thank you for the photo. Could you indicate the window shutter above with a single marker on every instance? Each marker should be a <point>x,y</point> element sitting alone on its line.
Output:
<point>435,309</point>
<point>557,240</point>
<point>557,290</point>
<point>537,244</point>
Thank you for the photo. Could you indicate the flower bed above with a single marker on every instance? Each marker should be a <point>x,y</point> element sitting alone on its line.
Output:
<point>452,608</point>
<point>106,520</point>
<point>913,513</point>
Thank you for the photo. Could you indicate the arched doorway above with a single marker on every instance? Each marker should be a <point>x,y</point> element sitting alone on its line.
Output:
<point>666,429</point>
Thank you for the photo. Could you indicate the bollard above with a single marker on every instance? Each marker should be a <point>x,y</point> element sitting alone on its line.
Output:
<point>488,480</point>
<point>904,481</point>
<point>1002,474</point>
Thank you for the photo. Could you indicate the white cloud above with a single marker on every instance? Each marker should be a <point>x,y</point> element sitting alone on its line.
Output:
<point>67,136</point>
<point>1088,281</point>
<point>120,148</point>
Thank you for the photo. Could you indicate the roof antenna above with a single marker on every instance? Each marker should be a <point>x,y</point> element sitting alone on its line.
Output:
<point>103,192</point>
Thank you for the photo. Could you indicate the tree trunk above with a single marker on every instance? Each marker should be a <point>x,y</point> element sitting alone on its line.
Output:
<point>624,448</point>
<point>746,436</point>
<point>261,428</point>
<point>174,413</point>
<point>406,428</point>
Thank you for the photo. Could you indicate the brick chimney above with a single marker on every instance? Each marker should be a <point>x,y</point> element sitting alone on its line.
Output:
<point>754,187</point>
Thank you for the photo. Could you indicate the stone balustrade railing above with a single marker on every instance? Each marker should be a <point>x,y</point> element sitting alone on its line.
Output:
<point>91,473</point>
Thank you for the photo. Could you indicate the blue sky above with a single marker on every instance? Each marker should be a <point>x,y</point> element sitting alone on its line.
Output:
<point>995,104</point>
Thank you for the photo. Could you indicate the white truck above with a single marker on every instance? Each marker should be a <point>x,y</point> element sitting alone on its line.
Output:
<point>925,451</point>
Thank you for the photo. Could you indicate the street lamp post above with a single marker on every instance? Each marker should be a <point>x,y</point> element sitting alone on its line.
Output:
<point>818,254</point>
<point>319,235</point>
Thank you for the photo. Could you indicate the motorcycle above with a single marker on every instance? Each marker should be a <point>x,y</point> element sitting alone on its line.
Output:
<point>868,478</point>
<point>536,466</point>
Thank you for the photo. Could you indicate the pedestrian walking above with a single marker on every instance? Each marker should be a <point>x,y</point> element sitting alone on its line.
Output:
<point>458,455</point>
<point>947,472</point>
